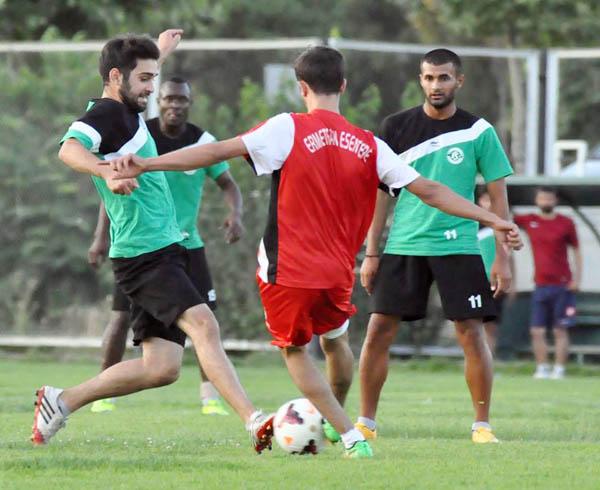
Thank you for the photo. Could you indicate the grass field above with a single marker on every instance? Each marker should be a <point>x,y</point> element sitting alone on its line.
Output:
<point>550,435</point>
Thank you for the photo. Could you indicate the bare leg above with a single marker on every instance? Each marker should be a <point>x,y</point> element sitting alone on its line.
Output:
<point>478,365</point>
<point>561,344</point>
<point>540,347</point>
<point>115,338</point>
<point>158,366</point>
<point>201,326</point>
<point>312,384</point>
<point>207,389</point>
<point>340,365</point>
<point>374,360</point>
<point>490,333</point>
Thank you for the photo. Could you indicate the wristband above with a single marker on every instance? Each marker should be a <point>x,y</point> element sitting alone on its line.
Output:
<point>371,256</point>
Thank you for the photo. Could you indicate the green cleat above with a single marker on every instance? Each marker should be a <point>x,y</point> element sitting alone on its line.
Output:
<point>360,449</point>
<point>331,434</point>
<point>106,405</point>
<point>214,407</point>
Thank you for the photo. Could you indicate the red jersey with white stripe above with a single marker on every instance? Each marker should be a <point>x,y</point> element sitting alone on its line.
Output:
<point>325,175</point>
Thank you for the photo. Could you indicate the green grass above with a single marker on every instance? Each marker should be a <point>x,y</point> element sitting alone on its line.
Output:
<point>158,439</point>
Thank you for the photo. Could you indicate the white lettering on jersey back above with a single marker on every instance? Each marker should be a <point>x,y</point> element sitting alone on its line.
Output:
<point>346,141</point>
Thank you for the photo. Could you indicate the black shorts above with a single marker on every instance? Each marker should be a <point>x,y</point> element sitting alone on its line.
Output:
<point>160,288</point>
<point>200,275</point>
<point>402,286</point>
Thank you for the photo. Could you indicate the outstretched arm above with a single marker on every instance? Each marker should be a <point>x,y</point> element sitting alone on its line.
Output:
<point>130,166</point>
<point>73,154</point>
<point>441,197</point>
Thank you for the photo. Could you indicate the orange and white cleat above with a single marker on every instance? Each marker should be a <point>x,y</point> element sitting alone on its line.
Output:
<point>48,418</point>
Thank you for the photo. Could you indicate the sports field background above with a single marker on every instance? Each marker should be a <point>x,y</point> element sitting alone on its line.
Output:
<point>158,439</point>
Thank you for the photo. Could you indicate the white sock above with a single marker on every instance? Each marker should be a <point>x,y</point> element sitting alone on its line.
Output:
<point>370,423</point>
<point>477,425</point>
<point>208,392</point>
<point>559,367</point>
<point>544,367</point>
<point>62,406</point>
<point>352,436</point>
<point>253,417</point>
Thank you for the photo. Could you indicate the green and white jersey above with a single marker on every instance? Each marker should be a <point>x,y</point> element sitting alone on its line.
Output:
<point>187,187</point>
<point>144,221</point>
<point>453,152</point>
<point>487,246</point>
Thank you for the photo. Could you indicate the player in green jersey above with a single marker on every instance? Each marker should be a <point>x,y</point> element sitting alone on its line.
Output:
<point>150,265</point>
<point>451,146</point>
<point>171,131</point>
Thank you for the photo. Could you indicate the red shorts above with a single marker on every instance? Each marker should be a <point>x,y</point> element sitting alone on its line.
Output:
<point>293,315</point>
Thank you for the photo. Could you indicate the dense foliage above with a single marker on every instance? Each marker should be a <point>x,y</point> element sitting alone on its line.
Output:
<point>47,213</point>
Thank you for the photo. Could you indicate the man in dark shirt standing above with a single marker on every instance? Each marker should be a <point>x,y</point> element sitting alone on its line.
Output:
<point>553,301</point>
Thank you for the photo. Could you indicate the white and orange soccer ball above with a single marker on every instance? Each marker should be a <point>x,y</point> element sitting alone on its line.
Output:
<point>298,427</point>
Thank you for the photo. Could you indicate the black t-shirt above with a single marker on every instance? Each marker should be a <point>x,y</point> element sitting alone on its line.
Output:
<point>406,129</point>
<point>164,144</point>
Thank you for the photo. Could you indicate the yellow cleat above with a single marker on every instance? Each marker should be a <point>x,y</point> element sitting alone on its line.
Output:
<point>483,435</point>
<point>214,407</point>
<point>365,431</point>
<point>106,405</point>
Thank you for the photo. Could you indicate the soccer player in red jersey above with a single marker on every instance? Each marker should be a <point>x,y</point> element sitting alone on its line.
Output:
<point>553,302</point>
<point>325,175</point>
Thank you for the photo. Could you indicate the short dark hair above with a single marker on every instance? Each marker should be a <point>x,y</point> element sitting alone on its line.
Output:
<point>123,52</point>
<point>322,68</point>
<point>441,56</point>
<point>179,80</point>
<point>546,188</point>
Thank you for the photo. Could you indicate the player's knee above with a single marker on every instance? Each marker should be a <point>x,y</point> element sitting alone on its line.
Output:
<point>338,344</point>
<point>164,374</point>
<point>381,332</point>
<point>199,320</point>
<point>538,333</point>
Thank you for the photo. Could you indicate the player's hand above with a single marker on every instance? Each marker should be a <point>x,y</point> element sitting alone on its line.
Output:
<point>573,286</point>
<point>234,228</point>
<point>168,41</point>
<point>123,185</point>
<point>508,235</point>
<point>500,276</point>
<point>368,270</point>
<point>127,167</point>
<point>97,252</point>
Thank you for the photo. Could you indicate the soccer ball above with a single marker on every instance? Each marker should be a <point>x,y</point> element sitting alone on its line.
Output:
<point>298,427</point>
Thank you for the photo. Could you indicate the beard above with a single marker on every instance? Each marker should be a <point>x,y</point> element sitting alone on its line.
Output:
<point>443,103</point>
<point>131,100</point>
<point>547,209</point>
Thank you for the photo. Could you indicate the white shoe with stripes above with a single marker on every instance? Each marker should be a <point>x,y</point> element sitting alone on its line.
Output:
<point>48,418</point>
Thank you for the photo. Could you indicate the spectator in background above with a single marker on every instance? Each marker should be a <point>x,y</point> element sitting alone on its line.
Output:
<point>553,301</point>
<point>487,245</point>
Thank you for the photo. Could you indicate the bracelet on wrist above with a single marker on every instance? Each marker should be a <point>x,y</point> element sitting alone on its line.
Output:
<point>368,256</point>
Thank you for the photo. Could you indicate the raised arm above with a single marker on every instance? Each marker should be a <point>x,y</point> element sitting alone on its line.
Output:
<point>167,42</point>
